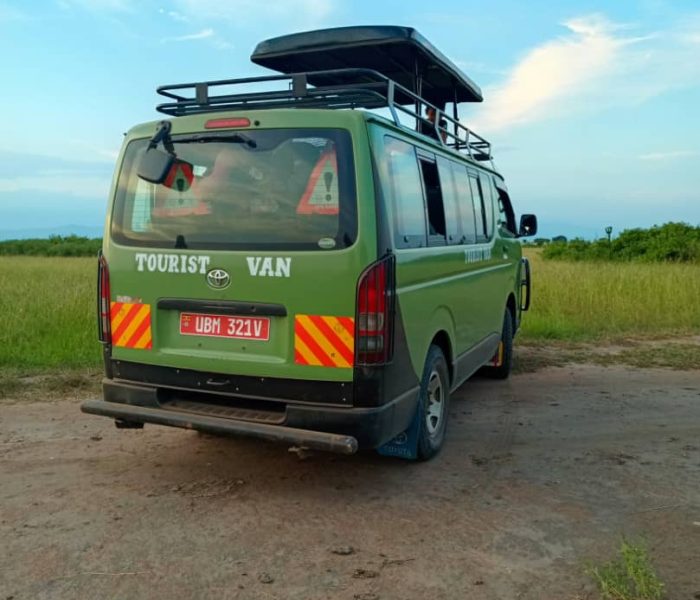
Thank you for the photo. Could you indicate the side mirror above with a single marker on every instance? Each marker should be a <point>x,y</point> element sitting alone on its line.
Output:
<point>155,165</point>
<point>528,226</point>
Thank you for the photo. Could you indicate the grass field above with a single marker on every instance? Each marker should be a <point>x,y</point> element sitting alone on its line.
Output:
<point>579,301</point>
<point>48,307</point>
<point>48,312</point>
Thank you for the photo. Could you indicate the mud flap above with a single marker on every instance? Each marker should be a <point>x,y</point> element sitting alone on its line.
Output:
<point>405,445</point>
<point>497,359</point>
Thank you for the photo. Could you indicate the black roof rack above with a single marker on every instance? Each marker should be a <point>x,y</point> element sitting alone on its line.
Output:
<point>348,67</point>
<point>349,88</point>
<point>400,53</point>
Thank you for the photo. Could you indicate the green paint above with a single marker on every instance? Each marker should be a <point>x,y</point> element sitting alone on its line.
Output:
<point>459,289</point>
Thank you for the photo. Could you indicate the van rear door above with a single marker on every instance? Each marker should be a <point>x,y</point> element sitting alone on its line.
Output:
<point>245,259</point>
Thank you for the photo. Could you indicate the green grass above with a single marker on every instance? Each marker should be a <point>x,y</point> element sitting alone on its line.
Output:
<point>579,301</point>
<point>48,312</point>
<point>631,577</point>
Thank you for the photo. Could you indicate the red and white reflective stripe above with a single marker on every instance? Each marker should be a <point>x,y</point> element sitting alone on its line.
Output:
<point>324,341</point>
<point>131,325</point>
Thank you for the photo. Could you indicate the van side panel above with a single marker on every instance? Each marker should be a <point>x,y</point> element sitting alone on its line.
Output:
<point>460,289</point>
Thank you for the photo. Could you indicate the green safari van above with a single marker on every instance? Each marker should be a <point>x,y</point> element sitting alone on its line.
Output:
<point>318,256</point>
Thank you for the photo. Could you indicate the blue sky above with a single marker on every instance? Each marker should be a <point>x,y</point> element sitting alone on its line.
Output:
<point>593,107</point>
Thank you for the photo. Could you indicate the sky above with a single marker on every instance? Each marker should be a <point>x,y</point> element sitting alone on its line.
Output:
<point>592,107</point>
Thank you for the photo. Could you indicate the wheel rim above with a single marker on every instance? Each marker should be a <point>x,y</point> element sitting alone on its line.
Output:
<point>436,404</point>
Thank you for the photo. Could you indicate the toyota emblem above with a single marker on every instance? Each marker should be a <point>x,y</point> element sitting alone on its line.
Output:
<point>218,279</point>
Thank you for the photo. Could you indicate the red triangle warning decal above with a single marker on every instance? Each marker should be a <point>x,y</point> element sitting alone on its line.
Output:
<point>321,196</point>
<point>177,200</point>
<point>180,176</point>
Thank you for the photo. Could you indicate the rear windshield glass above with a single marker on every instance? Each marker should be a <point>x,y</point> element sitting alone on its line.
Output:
<point>268,189</point>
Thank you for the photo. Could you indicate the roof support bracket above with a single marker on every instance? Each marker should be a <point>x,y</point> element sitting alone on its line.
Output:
<point>202,93</point>
<point>299,88</point>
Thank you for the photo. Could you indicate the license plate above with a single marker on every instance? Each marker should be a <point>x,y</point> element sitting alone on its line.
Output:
<point>240,328</point>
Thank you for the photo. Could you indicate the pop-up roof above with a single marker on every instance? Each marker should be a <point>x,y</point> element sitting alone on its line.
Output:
<point>400,53</point>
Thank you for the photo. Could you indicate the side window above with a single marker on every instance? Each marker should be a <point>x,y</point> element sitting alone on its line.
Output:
<point>142,206</point>
<point>506,216</point>
<point>478,203</point>
<point>464,201</point>
<point>487,189</point>
<point>450,200</point>
<point>406,192</point>
<point>437,232</point>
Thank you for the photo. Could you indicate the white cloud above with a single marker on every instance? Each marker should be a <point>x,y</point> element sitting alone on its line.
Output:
<point>58,183</point>
<point>10,13</point>
<point>222,44</point>
<point>479,67</point>
<point>87,152</point>
<point>174,15</point>
<point>295,13</point>
<point>227,17</point>
<point>670,155</point>
<point>594,66</point>
<point>199,35</point>
<point>99,5</point>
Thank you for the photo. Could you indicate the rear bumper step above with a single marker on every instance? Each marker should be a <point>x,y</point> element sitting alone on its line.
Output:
<point>318,440</point>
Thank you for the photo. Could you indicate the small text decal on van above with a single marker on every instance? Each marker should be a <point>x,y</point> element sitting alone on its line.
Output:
<point>171,263</point>
<point>262,267</point>
<point>477,255</point>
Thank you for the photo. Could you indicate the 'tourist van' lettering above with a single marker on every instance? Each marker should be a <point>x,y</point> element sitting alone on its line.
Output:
<point>262,267</point>
<point>171,263</point>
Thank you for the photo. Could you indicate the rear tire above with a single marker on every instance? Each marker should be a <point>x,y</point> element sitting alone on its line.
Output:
<point>433,404</point>
<point>505,350</point>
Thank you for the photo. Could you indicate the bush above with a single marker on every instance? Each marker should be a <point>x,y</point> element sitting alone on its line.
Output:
<point>671,242</point>
<point>55,245</point>
<point>631,577</point>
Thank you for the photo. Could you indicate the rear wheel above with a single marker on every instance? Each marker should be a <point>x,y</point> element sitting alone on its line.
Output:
<point>502,361</point>
<point>434,400</point>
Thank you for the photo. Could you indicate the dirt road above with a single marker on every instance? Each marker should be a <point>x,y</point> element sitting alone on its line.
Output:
<point>540,475</point>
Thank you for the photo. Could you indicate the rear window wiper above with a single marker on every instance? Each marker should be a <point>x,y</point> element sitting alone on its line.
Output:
<point>236,138</point>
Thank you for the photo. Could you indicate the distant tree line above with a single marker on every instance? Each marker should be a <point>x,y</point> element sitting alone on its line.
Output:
<point>539,242</point>
<point>671,242</point>
<point>56,245</point>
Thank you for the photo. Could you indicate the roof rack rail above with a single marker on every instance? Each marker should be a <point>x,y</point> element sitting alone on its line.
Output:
<point>332,89</point>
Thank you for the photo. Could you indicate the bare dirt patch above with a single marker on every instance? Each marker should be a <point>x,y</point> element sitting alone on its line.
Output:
<point>541,475</point>
<point>21,385</point>
<point>680,353</point>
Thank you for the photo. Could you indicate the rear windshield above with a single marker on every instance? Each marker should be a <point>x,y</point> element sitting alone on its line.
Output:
<point>266,189</point>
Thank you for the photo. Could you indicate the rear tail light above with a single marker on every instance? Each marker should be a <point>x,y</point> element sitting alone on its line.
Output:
<point>103,301</point>
<point>374,318</point>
